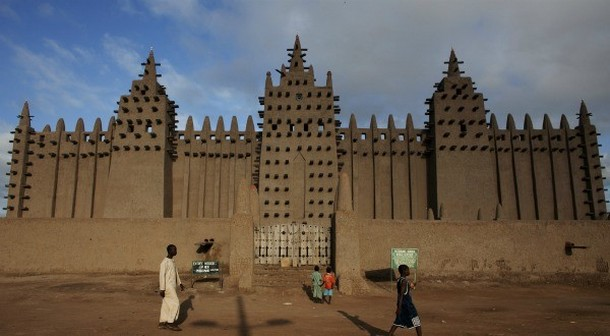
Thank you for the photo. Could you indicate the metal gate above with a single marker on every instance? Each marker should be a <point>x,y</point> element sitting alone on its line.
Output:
<point>305,244</point>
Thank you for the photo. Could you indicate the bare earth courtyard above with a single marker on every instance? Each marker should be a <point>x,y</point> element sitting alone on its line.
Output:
<point>129,305</point>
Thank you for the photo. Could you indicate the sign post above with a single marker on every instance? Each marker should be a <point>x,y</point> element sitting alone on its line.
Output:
<point>407,256</point>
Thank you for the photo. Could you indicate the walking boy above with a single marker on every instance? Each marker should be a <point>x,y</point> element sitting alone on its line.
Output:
<point>329,283</point>
<point>316,285</point>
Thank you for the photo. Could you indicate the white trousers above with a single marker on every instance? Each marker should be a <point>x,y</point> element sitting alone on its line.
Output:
<point>170,306</point>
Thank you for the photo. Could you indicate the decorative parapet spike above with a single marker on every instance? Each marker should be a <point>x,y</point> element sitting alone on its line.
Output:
<point>373,125</point>
<point>61,126</point>
<point>409,125</point>
<point>564,124</point>
<point>329,79</point>
<point>546,124</point>
<point>220,126</point>
<point>80,126</point>
<point>510,122</point>
<point>493,122</point>
<point>97,126</point>
<point>353,124</point>
<point>453,69</point>
<point>583,114</point>
<point>150,68</point>
<point>296,56</point>
<point>206,129</point>
<point>234,128</point>
<point>24,117</point>
<point>527,124</point>
<point>391,125</point>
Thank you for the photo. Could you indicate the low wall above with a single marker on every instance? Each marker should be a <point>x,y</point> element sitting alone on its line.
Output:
<point>491,249</point>
<point>107,245</point>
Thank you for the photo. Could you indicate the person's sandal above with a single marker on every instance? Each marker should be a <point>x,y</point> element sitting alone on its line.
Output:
<point>173,327</point>
<point>162,325</point>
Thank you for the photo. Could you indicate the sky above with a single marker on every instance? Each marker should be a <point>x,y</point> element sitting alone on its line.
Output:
<point>73,59</point>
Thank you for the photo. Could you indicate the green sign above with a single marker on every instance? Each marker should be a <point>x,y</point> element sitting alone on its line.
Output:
<point>201,267</point>
<point>407,256</point>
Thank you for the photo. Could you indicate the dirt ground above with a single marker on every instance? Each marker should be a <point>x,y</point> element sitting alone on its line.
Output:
<point>129,305</point>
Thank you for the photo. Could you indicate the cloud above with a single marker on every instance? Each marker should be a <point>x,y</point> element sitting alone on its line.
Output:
<point>127,6</point>
<point>193,14</point>
<point>123,51</point>
<point>46,10</point>
<point>59,50</point>
<point>59,83</point>
<point>7,12</point>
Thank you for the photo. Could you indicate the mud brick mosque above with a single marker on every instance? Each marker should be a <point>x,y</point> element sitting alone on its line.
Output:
<point>301,189</point>
<point>460,165</point>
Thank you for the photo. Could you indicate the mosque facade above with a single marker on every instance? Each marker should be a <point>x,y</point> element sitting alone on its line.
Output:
<point>461,165</point>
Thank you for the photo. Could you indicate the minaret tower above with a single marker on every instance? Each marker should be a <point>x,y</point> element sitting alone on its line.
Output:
<point>462,175</point>
<point>18,171</point>
<point>298,161</point>
<point>144,144</point>
<point>595,198</point>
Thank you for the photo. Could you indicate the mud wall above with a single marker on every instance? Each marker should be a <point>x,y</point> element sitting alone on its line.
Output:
<point>491,249</point>
<point>488,248</point>
<point>107,245</point>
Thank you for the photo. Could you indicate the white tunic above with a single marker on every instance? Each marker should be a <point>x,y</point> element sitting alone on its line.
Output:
<point>169,280</point>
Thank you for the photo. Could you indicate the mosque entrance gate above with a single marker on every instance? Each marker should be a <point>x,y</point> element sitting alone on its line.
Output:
<point>304,244</point>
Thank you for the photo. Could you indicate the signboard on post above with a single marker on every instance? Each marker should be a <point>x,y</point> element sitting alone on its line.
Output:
<point>407,256</point>
<point>204,269</point>
<point>201,267</point>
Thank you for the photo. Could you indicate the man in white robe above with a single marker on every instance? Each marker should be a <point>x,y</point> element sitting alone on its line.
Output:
<point>169,280</point>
